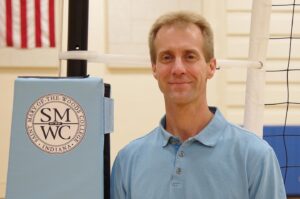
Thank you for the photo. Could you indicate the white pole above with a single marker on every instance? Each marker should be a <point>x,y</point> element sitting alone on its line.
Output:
<point>259,37</point>
<point>109,59</point>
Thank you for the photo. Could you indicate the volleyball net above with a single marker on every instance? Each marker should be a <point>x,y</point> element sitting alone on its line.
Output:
<point>285,138</point>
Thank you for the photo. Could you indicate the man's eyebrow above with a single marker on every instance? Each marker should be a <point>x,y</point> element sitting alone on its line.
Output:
<point>191,51</point>
<point>164,52</point>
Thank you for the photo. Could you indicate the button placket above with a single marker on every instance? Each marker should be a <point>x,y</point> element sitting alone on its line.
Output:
<point>177,182</point>
<point>178,163</point>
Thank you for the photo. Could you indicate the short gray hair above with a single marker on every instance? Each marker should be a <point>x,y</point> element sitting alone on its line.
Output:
<point>184,18</point>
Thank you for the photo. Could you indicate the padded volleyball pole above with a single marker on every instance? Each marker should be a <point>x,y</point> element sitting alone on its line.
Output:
<point>78,40</point>
<point>77,35</point>
<point>259,37</point>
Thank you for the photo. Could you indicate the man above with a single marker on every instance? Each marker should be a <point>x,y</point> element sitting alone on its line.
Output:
<point>194,152</point>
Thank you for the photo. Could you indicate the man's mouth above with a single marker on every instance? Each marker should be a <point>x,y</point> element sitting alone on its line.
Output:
<point>179,83</point>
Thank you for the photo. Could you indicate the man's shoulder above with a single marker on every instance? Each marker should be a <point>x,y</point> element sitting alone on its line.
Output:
<point>248,147</point>
<point>249,140</point>
<point>140,144</point>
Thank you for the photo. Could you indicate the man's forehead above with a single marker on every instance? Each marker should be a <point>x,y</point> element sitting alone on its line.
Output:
<point>187,33</point>
<point>180,26</point>
<point>172,28</point>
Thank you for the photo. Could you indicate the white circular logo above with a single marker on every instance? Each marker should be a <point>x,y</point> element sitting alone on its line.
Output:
<point>55,123</point>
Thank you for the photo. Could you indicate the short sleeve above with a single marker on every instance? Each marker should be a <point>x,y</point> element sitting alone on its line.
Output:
<point>265,179</point>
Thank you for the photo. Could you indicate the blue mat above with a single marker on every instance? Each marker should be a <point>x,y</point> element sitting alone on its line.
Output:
<point>287,148</point>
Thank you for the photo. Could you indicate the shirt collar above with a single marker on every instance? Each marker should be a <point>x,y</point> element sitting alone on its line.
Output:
<point>208,136</point>
<point>165,134</point>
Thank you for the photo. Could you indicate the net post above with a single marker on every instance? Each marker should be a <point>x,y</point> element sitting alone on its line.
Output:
<point>258,45</point>
<point>78,40</point>
<point>106,153</point>
<point>77,35</point>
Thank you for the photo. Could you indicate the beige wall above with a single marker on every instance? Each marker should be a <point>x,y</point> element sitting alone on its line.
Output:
<point>121,26</point>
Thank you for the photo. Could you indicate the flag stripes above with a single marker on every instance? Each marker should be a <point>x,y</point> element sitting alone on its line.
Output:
<point>2,18</point>
<point>38,41</point>
<point>27,23</point>
<point>16,34</point>
<point>51,24</point>
<point>23,24</point>
<point>44,22</point>
<point>9,24</point>
<point>30,25</point>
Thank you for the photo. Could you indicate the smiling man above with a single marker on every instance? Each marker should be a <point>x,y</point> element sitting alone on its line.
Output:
<point>194,152</point>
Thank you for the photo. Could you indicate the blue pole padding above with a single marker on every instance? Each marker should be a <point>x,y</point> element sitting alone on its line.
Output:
<point>57,138</point>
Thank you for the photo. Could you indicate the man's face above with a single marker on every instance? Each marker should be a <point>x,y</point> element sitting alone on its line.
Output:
<point>180,68</point>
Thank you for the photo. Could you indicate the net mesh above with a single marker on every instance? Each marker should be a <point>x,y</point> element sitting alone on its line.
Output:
<point>286,135</point>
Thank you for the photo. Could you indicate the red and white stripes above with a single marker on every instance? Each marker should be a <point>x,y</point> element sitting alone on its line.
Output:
<point>27,23</point>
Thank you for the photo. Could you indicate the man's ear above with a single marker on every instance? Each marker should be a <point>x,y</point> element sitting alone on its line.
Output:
<point>154,70</point>
<point>211,68</point>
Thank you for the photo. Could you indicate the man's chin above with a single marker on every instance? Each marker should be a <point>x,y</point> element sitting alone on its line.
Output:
<point>180,99</point>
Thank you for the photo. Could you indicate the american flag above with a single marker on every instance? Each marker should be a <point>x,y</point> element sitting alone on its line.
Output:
<point>27,23</point>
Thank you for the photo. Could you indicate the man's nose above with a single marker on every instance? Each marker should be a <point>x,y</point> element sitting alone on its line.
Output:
<point>178,67</point>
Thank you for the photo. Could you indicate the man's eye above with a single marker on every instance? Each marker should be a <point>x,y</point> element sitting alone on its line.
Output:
<point>191,57</point>
<point>166,58</point>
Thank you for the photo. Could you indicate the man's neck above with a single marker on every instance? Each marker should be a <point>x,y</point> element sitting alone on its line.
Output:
<point>186,121</point>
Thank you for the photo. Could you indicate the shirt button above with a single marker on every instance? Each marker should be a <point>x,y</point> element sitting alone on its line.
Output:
<point>178,171</point>
<point>181,154</point>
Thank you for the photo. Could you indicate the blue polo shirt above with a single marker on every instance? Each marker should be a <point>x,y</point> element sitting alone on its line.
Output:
<point>223,161</point>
